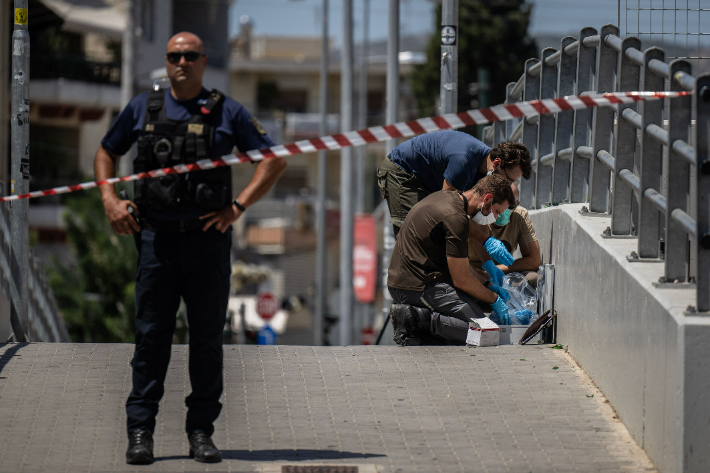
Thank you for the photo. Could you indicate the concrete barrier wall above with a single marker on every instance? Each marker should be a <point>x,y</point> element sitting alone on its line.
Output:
<point>631,338</point>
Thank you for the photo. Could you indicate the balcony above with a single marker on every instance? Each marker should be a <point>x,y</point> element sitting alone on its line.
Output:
<point>74,68</point>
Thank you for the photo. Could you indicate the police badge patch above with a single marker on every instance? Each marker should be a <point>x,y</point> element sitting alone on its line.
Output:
<point>258,126</point>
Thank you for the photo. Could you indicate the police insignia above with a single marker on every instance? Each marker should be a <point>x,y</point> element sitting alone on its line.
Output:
<point>258,126</point>
<point>195,128</point>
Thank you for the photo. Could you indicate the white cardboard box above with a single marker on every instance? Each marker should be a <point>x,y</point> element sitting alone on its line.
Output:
<point>482,332</point>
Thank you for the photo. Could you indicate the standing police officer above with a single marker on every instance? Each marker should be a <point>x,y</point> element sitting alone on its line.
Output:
<point>184,235</point>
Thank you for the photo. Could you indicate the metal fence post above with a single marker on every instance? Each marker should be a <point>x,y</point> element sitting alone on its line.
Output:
<point>20,170</point>
<point>346,181</point>
<point>449,57</point>
<point>651,167</point>
<point>321,302</point>
<point>500,129</point>
<point>546,131</point>
<point>531,91</point>
<point>564,124</point>
<point>586,71</point>
<point>510,124</point>
<point>499,132</point>
<point>625,148</point>
<point>678,177</point>
<point>603,130</point>
<point>391,117</point>
<point>702,216</point>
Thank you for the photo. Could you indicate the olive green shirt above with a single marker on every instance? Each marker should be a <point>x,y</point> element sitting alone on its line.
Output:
<point>519,231</point>
<point>435,228</point>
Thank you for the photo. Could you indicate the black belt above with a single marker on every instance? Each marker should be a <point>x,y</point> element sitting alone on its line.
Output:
<point>172,226</point>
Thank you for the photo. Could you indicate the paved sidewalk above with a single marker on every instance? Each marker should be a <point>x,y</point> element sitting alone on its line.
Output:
<point>384,409</point>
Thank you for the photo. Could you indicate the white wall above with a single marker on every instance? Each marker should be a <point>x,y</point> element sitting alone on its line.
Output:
<point>650,359</point>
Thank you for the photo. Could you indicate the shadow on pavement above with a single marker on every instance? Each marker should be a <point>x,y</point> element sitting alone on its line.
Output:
<point>284,455</point>
<point>9,353</point>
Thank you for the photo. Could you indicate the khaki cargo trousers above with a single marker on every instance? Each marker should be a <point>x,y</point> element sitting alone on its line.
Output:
<point>400,189</point>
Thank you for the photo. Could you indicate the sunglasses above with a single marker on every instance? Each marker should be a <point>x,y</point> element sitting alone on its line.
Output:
<point>190,56</point>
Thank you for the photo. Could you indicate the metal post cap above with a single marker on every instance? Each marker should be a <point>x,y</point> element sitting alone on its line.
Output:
<point>705,94</point>
<point>705,241</point>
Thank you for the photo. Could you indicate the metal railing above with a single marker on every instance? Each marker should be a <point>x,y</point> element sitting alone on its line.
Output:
<point>650,175</point>
<point>44,321</point>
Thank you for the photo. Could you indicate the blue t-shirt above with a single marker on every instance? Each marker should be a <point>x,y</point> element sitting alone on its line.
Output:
<point>235,128</point>
<point>433,157</point>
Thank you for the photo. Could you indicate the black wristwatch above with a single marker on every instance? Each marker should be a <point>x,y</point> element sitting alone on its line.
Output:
<point>239,206</point>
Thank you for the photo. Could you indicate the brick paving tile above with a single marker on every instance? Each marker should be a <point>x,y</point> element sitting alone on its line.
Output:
<point>384,409</point>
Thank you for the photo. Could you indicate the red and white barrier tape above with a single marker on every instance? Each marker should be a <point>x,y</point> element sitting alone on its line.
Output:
<point>382,133</point>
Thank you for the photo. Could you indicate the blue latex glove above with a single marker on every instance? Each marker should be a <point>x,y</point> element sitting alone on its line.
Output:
<point>497,250</point>
<point>524,316</point>
<point>502,293</point>
<point>494,272</point>
<point>501,311</point>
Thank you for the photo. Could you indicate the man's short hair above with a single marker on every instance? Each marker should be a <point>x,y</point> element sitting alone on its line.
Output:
<point>498,186</point>
<point>512,155</point>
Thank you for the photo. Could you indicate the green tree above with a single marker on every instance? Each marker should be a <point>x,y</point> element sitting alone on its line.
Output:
<point>492,36</point>
<point>96,295</point>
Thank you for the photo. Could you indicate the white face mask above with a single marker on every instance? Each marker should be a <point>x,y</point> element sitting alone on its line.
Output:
<point>481,219</point>
<point>491,172</point>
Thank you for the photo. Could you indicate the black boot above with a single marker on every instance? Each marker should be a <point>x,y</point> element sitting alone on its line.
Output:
<point>402,328</point>
<point>420,318</point>
<point>140,447</point>
<point>202,449</point>
<point>420,321</point>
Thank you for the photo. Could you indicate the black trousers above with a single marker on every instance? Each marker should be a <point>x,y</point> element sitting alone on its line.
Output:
<point>194,266</point>
<point>451,308</point>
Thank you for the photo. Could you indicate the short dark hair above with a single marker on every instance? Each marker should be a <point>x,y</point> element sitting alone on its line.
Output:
<point>512,155</point>
<point>498,186</point>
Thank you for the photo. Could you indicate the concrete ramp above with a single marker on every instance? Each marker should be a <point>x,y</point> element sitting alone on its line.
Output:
<point>635,340</point>
<point>380,409</point>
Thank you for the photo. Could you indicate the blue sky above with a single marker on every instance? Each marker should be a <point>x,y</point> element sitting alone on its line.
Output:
<point>302,17</point>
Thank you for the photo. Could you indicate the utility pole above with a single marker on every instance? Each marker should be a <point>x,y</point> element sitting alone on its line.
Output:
<point>346,179</point>
<point>127,74</point>
<point>20,171</point>
<point>362,107</point>
<point>449,56</point>
<point>321,253</point>
<point>361,309</point>
<point>4,97</point>
<point>392,109</point>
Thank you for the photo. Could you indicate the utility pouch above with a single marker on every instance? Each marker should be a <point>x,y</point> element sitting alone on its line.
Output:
<point>164,192</point>
<point>143,159</point>
<point>210,196</point>
<point>142,163</point>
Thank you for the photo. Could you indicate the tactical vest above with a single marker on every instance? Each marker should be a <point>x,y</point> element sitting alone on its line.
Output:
<point>165,143</point>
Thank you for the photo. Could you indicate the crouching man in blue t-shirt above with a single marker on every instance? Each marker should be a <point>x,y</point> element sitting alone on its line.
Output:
<point>451,160</point>
<point>183,237</point>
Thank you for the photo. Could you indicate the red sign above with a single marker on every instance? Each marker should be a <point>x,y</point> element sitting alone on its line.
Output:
<point>368,336</point>
<point>266,305</point>
<point>364,258</point>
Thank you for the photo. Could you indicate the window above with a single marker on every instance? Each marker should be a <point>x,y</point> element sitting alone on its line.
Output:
<point>147,20</point>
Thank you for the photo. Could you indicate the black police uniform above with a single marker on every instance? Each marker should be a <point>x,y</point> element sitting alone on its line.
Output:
<point>176,259</point>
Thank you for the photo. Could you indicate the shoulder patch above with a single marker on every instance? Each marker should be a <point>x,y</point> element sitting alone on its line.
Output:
<point>258,126</point>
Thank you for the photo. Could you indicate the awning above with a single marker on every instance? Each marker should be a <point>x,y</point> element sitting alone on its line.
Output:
<point>80,18</point>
